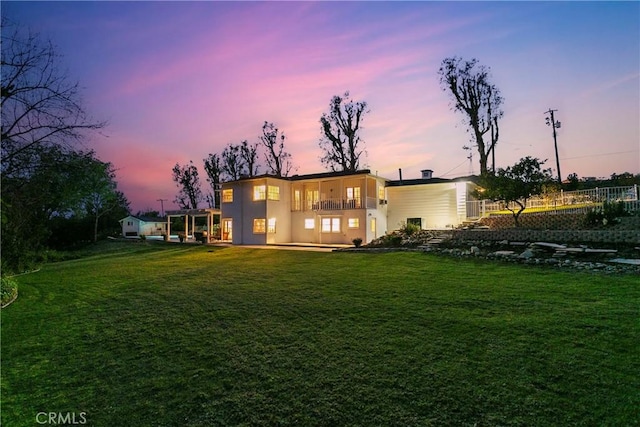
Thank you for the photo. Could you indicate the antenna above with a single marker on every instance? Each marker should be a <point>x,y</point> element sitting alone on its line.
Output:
<point>162,206</point>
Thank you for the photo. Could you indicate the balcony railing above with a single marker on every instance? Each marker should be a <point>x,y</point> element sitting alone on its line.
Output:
<point>336,204</point>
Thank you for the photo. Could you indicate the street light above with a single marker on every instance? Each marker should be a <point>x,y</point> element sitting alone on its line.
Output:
<point>551,121</point>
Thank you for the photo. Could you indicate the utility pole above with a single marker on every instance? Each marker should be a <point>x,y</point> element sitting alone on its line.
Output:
<point>162,206</point>
<point>554,125</point>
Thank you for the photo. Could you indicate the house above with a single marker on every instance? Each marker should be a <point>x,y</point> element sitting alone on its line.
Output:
<point>134,226</point>
<point>323,208</point>
<point>337,207</point>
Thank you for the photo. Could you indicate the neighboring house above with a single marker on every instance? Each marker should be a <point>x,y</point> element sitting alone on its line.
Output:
<point>134,226</point>
<point>324,208</point>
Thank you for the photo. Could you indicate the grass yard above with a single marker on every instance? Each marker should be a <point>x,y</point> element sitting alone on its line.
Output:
<point>182,335</point>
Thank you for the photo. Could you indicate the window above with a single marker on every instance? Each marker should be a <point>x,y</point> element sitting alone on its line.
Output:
<point>227,196</point>
<point>330,225</point>
<point>353,197</point>
<point>313,197</point>
<point>271,225</point>
<point>309,224</point>
<point>259,225</point>
<point>274,192</point>
<point>297,201</point>
<point>259,192</point>
<point>381,193</point>
<point>415,221</point>
<point>353,222</point>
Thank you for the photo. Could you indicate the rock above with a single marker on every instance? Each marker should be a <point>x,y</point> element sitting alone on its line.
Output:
<point>527,254</point>
<point>475,251</point>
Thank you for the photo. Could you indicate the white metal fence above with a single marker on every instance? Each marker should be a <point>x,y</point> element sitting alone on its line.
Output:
<point>565,201</point>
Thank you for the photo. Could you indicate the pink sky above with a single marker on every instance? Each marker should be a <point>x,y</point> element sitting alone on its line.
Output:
<point>179,80</point>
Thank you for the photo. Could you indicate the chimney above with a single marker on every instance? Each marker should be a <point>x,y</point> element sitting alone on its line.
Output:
<point>400,173</point>
<point>427,174</point>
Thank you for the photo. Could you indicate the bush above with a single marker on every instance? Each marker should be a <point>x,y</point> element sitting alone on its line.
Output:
<point>409,229</point>
<point>357,242</point>
<point>8,290</point>
<point>607,214</point>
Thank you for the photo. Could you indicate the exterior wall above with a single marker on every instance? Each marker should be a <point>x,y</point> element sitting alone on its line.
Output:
<point>243,210</point>
<point>438,205</point>
<point>280,211</point>
<point>129,226</point>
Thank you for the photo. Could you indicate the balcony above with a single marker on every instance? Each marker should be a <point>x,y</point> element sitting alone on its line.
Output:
<point>336,204</point>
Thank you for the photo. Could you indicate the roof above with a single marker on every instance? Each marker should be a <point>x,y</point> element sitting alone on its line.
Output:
<point>419,181</point>
<point>146,218</point>
<point>307,176</point>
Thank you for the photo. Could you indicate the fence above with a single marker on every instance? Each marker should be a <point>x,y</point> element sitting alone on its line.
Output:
<point>566,201</point>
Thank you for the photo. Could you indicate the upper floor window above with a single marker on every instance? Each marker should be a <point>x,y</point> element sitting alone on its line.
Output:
<point>227,196</point>
<point>259,192</point>
<point>274,192</point>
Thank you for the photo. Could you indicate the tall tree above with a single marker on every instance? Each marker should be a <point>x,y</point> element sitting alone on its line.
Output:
<point>102,195</point>
<point>249,154</point>
<point>516,184</point>
<point>478,99</point>
<point>340,129</point>
<point>42,121</point>
<point>188,183</point>
<point>40,104</point>
<point>232,162</point>
<point>277,159</point>
<point>213,169</point>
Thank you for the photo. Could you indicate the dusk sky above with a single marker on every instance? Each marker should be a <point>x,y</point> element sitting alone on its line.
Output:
<point>179,80</point>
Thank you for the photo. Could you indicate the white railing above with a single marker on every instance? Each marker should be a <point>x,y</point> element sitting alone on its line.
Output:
<point>567,201</point>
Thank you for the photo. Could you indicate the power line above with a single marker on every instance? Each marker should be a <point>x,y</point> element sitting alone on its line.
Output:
<point>602,154</point>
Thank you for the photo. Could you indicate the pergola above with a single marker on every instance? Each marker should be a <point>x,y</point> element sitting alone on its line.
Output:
<point>192,214</point>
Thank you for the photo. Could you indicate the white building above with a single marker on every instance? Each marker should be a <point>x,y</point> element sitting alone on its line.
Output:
<point>336,207</point>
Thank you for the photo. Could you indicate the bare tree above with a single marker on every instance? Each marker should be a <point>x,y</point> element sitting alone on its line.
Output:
<point>478,99</point>
<point>277,159</point>
<point>188,182</point>
<point>40,105</point>
<point>213,168</point>
<point>249,154</point>
<point>232,162</point>
<point>340,128</point>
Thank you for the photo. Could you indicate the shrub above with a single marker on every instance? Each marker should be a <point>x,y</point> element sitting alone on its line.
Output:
<point>8,290</point>
<point>607,214</point>
<point>409,229</point>
<point>357,242</point>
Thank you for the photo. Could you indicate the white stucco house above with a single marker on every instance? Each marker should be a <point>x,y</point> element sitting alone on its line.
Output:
<point>337,207</point>
<point>134,226</point>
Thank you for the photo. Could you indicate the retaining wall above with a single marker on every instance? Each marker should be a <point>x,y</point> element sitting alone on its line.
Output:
<point>556,236</point>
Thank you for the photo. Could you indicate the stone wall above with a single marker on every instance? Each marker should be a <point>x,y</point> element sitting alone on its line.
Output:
<point>556,236</point>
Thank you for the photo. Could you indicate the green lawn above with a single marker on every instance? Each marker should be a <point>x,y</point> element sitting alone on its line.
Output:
<point>182,335</point>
